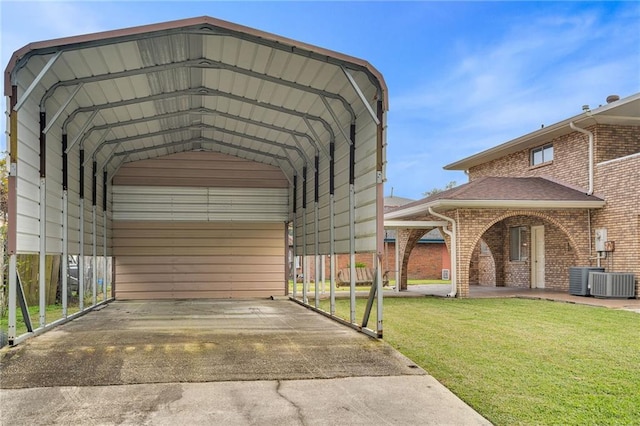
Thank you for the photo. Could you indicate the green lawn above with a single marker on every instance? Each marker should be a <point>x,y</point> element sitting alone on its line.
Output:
<point>392,283</point>
<point>522,361</point>
<point>52,313</point>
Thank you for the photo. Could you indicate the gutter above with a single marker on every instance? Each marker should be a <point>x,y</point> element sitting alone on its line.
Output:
<point>454,250</point>
<point>590,135</point>
<point>492,204</point>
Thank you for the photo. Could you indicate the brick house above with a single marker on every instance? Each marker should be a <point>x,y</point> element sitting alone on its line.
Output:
<point>533,205</point>
<point>428,258</point>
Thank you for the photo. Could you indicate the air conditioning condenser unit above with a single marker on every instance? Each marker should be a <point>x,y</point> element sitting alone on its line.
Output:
<point>612,284</point>
<point>579,279</point>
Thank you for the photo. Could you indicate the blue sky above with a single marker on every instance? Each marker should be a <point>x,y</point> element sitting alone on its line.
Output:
<point>462,76</point>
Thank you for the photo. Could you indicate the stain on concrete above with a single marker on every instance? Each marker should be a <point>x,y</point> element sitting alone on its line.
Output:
<point>197,341</point>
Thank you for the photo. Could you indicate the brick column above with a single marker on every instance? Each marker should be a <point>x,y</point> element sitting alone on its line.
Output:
<point>407,240</point>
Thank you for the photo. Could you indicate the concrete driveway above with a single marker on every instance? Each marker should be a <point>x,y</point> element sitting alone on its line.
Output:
<point>217,362</point>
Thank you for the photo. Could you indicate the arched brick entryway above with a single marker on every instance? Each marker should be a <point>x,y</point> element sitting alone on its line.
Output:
<point>562,249</point>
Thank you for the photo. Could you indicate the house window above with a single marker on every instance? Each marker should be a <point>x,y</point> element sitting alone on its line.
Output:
<point>543,154</point>
<point>518,243</point>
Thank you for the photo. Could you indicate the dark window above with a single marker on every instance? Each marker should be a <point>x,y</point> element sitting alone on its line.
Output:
<point>543,154</point>
<point>518,243</point>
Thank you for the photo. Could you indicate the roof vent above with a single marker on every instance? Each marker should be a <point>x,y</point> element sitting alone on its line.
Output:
<point>612,98</point>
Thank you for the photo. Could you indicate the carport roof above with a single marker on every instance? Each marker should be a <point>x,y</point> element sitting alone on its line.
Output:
<point>153,90</point>
<point>501,192</point>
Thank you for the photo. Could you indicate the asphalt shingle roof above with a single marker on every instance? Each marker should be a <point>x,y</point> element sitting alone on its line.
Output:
<point>508,188</point>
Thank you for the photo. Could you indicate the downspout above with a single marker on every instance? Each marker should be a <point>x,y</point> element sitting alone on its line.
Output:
<point>590,135</point>
<point>454,251</point>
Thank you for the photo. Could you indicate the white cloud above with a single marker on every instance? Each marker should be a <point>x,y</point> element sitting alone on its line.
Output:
<point>541,69</point>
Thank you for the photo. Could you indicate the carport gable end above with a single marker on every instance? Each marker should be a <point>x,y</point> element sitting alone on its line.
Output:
<point>84,107</point>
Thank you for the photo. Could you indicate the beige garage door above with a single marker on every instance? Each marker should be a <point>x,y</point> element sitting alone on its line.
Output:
<point>167,260</point>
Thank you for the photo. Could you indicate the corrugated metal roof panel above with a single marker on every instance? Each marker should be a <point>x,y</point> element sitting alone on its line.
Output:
<point>274,86</point>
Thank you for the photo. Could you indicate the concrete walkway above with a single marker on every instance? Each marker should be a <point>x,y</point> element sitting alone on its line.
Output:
<point>217,362</point>
<point>476,291</point>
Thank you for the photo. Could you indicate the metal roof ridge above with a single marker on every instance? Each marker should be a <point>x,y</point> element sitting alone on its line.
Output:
<point>55,44</point>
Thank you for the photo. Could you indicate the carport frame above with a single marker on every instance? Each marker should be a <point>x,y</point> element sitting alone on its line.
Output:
<point>207,27</point>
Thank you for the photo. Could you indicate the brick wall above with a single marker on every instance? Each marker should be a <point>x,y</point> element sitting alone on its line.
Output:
<point>565,242</point>
<point>615,142</point>
<point>482,269</point>
<point>486,270</point>
<point>616,179</point>
<point>426,261</point>
<point>571,156</point>
<point>570,163</point>
<point>620,181</point>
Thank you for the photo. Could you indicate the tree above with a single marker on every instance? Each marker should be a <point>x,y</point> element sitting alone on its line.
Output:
<point>435,191</point>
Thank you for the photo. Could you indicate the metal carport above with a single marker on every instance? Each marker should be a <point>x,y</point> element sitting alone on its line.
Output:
<point>84,109</point>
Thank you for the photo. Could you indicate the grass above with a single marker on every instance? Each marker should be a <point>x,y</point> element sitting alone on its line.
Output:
<point>522,361</point>
<point>392,283</point>
<point>52,313</point>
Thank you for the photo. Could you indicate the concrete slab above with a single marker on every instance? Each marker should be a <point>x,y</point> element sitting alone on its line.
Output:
<point>409,400</point>
<point>217,362</point>
<point>197,341</point>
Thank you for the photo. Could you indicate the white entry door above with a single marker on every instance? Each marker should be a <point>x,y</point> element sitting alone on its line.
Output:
<point>537,257</point>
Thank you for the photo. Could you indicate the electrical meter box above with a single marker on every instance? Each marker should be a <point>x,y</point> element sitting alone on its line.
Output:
<point>601,239</point>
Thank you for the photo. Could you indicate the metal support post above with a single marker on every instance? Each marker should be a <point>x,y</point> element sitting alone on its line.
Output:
<point>94,248</point>
<point>12,212</point>
<point>13,293</point>
<point>42,287</point>
<point>332,231</point>
<point>94,255</point>
<point>352,255</point>
<point>316,233</point>
<point>65,253</point>
<point>372,294</point>
<point>81,259</point>
<point>332,259</point>
<point>104,255</point>
<point>352,225</point>
<point>42,279</point>
<point>23,305</point>
<point>305,265</point>
<point>104,234</point>
<point>81,242</point>
<point>294,250</point>
<point>287,258</point>
<point>380,285</point>
<point>380,144</point>
<point>322,274</point>
<point>65,229</point>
